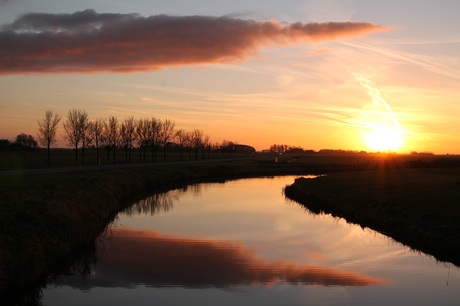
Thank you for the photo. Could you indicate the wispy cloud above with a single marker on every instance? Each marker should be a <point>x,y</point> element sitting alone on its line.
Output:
<point>423,61</point>
<point>87,41</point>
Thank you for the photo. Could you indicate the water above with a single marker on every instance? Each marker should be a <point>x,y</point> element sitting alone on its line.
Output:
<point>242,243</point>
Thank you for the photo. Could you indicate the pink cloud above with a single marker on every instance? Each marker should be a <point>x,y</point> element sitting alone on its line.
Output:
<point>145,257</point>
<point>87,41</point>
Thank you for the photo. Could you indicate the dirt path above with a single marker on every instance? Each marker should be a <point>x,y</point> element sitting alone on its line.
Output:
<point>106,167</point>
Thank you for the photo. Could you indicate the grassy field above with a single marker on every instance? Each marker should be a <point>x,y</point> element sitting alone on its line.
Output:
<point>35,159</point>
<point>418,207</point>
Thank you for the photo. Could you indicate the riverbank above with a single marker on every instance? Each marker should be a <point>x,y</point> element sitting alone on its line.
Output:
<point>417,207</point>
<point>46,217</point>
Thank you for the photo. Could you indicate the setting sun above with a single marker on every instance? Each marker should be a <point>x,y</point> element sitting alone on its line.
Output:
<point>383,138</point>
<point>379,124</point>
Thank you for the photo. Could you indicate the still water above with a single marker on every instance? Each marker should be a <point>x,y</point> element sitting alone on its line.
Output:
<point>242,243</point>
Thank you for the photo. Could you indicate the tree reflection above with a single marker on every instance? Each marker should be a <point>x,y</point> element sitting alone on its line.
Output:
<point>152,205</point>
<point>81,264</point>
<point>163,202</point>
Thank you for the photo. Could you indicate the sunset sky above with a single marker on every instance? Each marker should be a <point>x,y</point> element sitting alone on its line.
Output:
<point>352,74</point>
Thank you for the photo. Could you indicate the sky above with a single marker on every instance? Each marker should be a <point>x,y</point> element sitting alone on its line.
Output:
<point>352,75</point>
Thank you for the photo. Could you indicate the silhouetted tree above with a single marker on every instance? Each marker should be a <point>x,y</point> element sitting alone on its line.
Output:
<point>197,141</point>
<point>228,148</point>
<point>97,134</point>
<point>86,135</point>
<point>279,148</point>
<point>112,136</point>
<point>166,134</point>
<point>143,136</point>
<point>181,137</point>
<point>155,136</point>
<point>127,136</point>
<point>4,144</point>
<point>76,129</point>
<point>47,129</point>
<point>206,145</point>
<point>188,143</point>
<point>24,141</point>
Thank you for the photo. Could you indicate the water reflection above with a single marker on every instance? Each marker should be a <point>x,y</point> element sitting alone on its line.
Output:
<point>241,243</point>
<point>152,205</point>
<point>163,202</point>
<point>143,257</point>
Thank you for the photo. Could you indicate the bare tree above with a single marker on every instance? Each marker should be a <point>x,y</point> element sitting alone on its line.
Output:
<point>206,145</point>
<point>127,135</point>
<point>47,129</point>
<point>197,141</point>
<point>181,137</point>
<point>188,143</point>
<point>166,134</point>
<point>155,125</point>
<point>97,132</point>
<point>216,149</point>
<point>143,136</point>
<point>112,135</point>
<point>76,128</point>
<point>86,135</point>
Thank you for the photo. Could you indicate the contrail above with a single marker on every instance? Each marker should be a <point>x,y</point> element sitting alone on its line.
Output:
<point>382,129</point>
<point>374,93</point>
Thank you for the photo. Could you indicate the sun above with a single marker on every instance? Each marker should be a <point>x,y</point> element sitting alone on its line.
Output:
<point>384,138</point>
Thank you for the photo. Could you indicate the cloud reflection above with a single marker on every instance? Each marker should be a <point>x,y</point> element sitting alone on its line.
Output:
<point>143,257</point>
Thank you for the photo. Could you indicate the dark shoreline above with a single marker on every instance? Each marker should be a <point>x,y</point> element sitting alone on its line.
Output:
<point>48,217</point>
<point>422,222</point>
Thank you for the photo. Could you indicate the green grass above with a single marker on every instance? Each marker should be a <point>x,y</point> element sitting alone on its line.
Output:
<point>418,207</point>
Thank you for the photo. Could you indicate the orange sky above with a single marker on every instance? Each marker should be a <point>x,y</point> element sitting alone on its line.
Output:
<point>316,74</point>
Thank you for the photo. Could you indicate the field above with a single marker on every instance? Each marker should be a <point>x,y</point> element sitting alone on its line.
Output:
<point>35,159</point>
<point>47,217</point>
<point>419,207</point>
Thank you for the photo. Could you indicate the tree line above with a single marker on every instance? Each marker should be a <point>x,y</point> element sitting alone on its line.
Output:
<point>22,142</point>
<point>111,135</point>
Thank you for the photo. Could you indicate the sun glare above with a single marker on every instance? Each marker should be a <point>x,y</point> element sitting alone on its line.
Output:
<point>380,127</point>
<point>384,138</point>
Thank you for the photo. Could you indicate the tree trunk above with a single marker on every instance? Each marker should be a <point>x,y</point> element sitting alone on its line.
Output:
<point>48,155</point>
<point>76,155</point>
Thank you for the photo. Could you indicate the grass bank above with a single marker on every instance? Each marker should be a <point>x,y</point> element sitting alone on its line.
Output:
<point>44,218</point>
<point>418,207</point>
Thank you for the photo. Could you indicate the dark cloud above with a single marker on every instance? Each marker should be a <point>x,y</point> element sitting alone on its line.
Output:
<point>88,41</point>
<point>139,257</point>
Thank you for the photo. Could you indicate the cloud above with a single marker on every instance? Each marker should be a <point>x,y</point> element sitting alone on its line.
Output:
<point>2,2</point>
<point>143,257</point>
<point>87,41</point>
